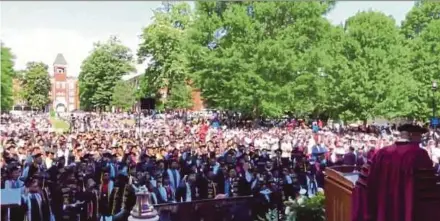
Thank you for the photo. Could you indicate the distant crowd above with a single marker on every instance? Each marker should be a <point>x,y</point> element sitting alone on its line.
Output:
<point>91,171</point>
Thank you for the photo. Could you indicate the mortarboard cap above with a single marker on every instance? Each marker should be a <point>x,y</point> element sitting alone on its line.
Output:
<point>232,151</point>
<point>412,128</point>
<point>107,155</point>
<point>36,155</point>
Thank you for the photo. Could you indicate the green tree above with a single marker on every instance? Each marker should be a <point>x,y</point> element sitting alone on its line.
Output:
<point>375,80</point>
<point>124,95</point>
<point>259,58</point>
<point>425,68</point>
<point>180,97</point>
<point>100,72</point>
<point>163,43</point>
<point>36,85</point>
<point>7,74</point>
<point>419,17</point>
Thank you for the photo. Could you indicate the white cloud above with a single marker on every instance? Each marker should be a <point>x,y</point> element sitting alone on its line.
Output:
<point>43,44</point>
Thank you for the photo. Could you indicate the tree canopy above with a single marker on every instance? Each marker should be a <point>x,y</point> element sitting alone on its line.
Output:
<point>269,58</point>
<point>124,95</point>
<point>36,85</point>
<point>7,74</point>
<point>100,72</point>
<point>163,43</point>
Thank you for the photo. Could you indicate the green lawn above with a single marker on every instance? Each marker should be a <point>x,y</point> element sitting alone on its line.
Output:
<point>59,125</point>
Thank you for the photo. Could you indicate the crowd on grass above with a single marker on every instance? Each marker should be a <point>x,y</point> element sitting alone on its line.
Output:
<point>90,171</point>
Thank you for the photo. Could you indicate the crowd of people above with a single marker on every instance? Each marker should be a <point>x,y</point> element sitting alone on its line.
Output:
<point>91,171</point>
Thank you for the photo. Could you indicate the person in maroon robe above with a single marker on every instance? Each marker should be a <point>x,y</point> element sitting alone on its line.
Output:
<point>384,191</point>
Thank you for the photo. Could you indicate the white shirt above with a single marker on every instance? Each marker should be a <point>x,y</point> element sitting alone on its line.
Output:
<point>286,149</point>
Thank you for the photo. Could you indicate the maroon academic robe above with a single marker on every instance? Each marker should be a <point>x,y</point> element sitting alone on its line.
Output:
<point>384,191</point>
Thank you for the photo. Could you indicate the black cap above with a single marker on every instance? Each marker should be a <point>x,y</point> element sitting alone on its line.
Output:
<point>105,170</point>
<point>232,151</point>
<point>12,167</point>
<point>107,155</point>
<point>36,155</point>
<point>412,128</point>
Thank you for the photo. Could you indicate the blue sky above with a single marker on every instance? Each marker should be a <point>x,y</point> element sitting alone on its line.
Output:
<point>37,31</point>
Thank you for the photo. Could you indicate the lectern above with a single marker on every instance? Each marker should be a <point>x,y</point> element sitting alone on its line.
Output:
<point>339,184</point>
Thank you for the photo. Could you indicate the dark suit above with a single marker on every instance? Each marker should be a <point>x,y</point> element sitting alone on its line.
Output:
<point>349,159</point>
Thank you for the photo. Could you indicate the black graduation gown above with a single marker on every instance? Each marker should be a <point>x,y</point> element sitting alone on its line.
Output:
<point>238,187</point>
<point>208,189</point>
<point>128,202</point>
<point>104,201</point>
<point>220,179</point>
<point>437,168</point>
<point>320,175</point>
<point>116,198</point>
<point>35,210</point>
<point>182,191</point>
<point>46,204</point>
<point>301,172</point>
<point>262,205</point>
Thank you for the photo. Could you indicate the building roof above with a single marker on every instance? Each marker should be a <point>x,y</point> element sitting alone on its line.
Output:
<point>131,76</point>
<point>60,60</point>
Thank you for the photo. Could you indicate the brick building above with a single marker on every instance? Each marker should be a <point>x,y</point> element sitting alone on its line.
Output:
<point>65,92</point>
<point>134,79</point>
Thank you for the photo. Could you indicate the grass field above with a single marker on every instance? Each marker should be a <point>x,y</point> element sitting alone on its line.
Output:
<point>59,125</point>
<point>130,122</point>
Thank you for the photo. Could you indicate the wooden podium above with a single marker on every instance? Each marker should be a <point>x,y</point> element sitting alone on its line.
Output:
<point>339,184</point>
<point>340,181</point>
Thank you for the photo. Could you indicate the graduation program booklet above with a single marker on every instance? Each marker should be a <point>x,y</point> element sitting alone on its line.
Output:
<point>10,197</point>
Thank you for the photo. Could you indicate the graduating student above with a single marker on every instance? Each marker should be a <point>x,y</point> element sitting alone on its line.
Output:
<point>35,207</point>
<point>13,181</point>
<point>174,174</point>
<point>235,185</point>
<point>188,191</point>
<point>105,189</point>
<point>129,198</point>
<point>117,194</point>
<point>34,167</point>
<point>90,198</point>
<point>165,192</point>
<point>209,188</point>
<point>267,198</point>
<point>384,191</point>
